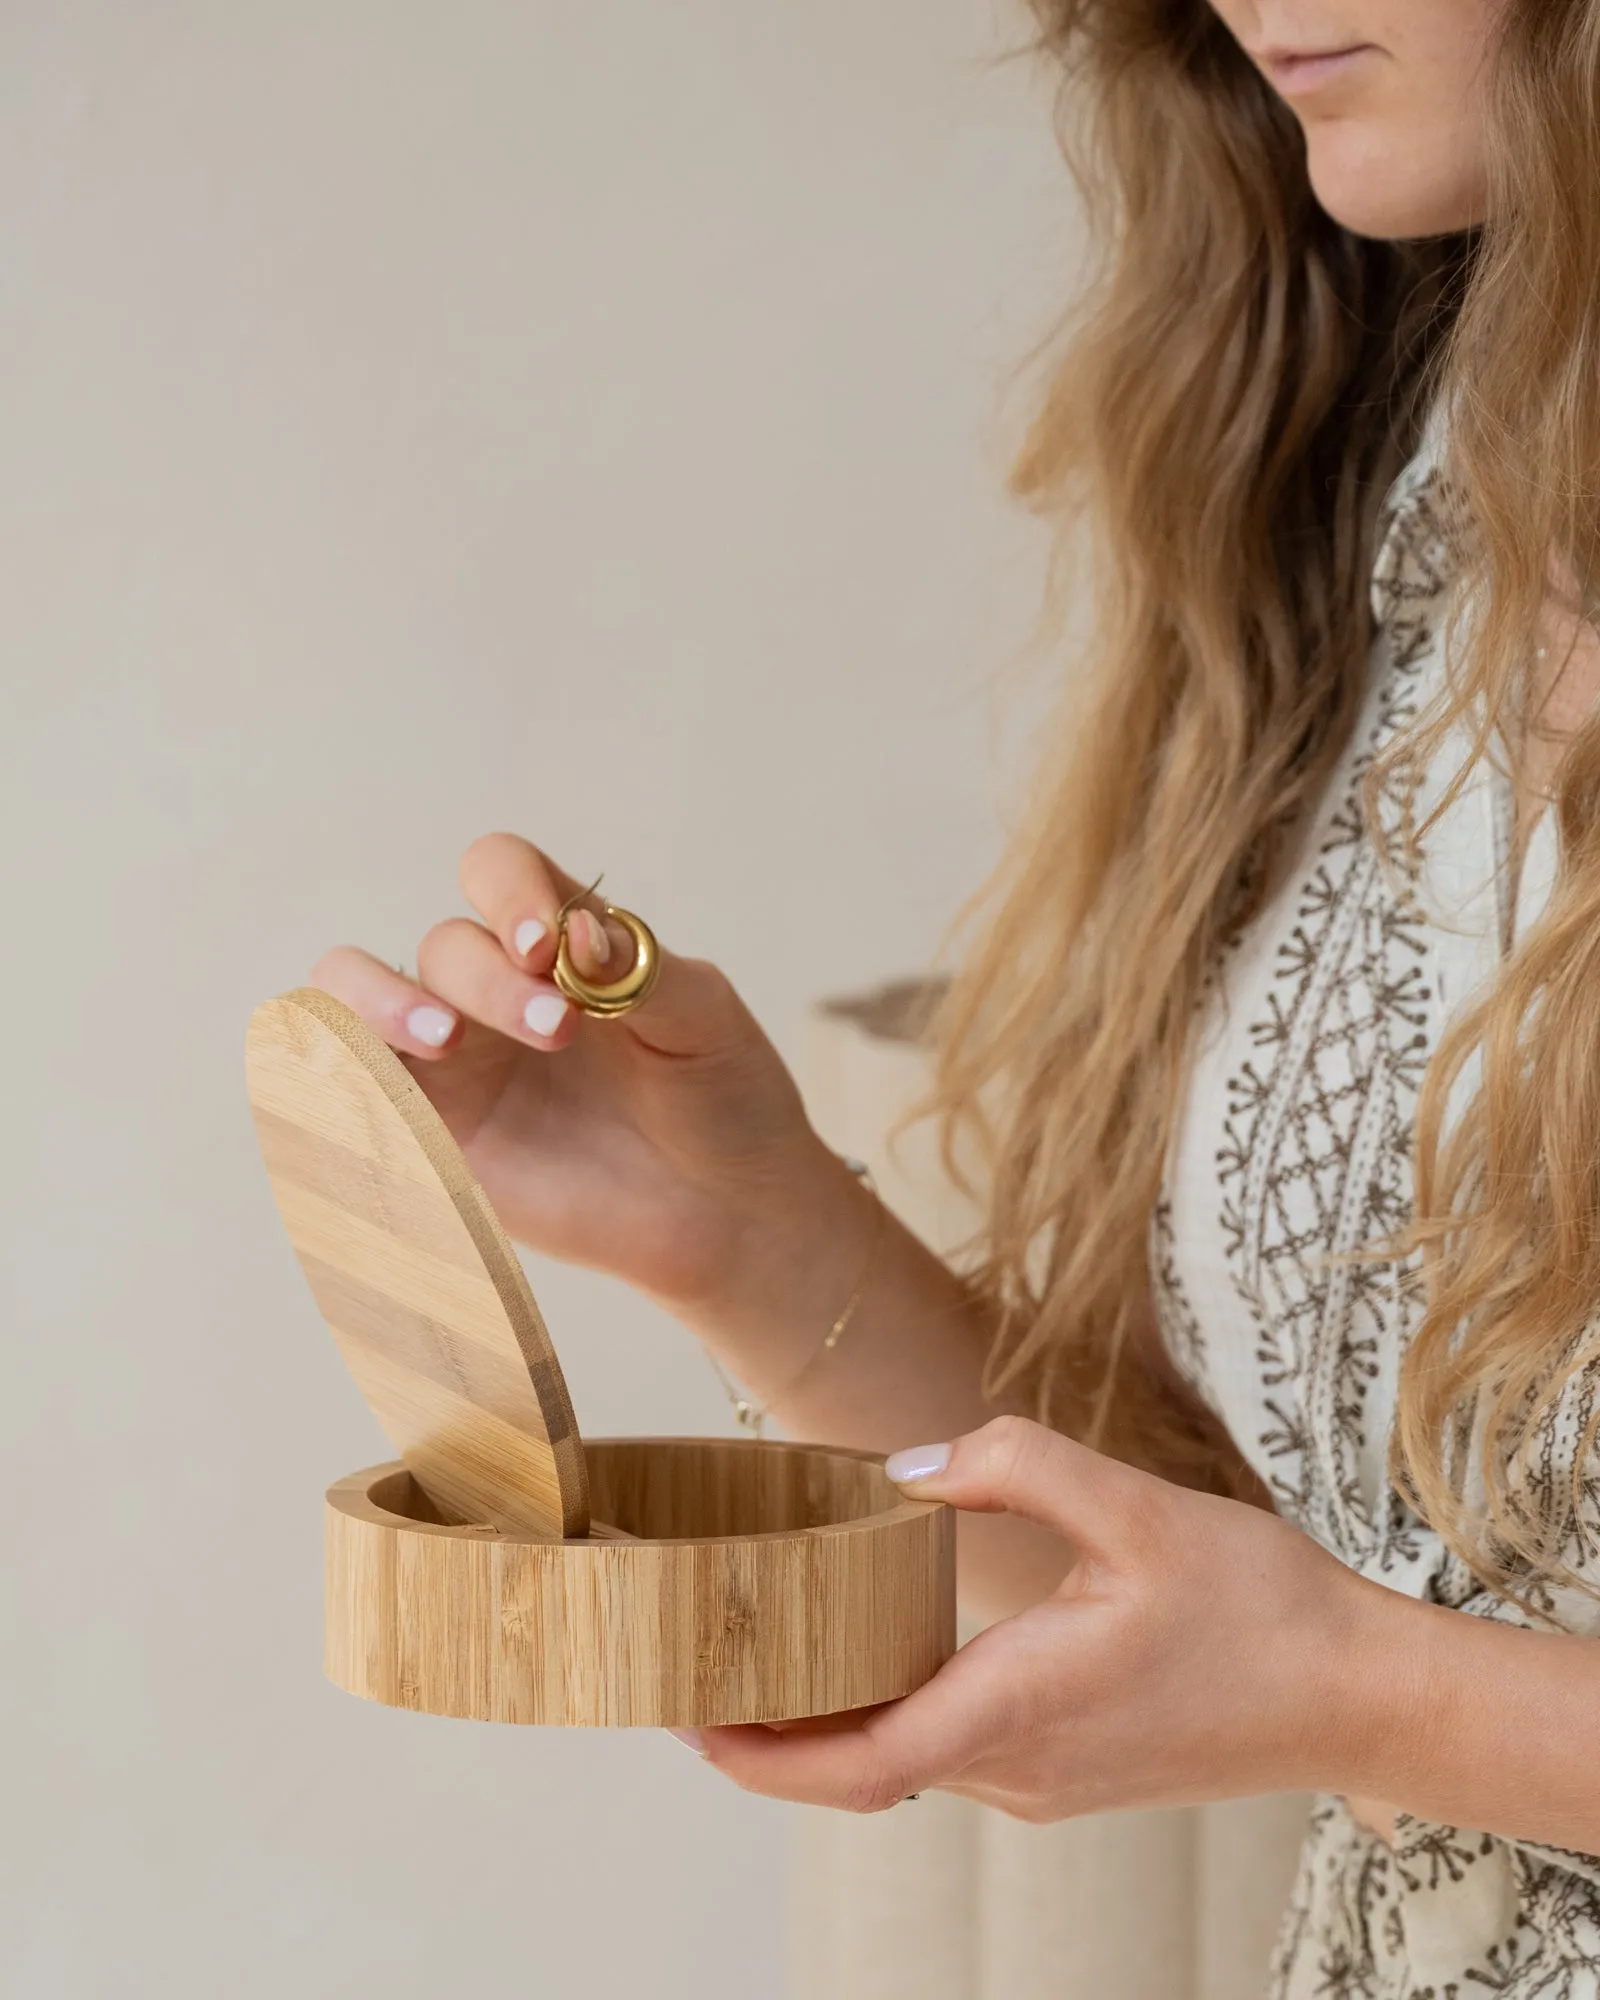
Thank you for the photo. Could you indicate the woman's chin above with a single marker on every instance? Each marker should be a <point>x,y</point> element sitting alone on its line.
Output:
<point>1363,188</point>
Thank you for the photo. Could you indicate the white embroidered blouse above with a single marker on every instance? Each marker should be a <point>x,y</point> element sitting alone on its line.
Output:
<point>1295,1143</point>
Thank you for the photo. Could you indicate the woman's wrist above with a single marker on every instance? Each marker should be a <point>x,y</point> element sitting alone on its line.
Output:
<point>1365,1701</point>
<point>1464,1721</point>
<point>800,1237</point>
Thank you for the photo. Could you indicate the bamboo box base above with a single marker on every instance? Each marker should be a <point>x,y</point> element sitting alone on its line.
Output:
<point>735,1580</point>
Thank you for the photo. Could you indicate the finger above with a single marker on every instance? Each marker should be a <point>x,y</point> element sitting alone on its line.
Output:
<point>842,1768</point>
<point>409,1016</point>
<point>464,964</point>
<point>868,1760</point>
<point>1012,1466</point>
<point>519,892</point>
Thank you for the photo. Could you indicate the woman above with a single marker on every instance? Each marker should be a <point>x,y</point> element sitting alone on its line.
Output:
<point>1279,1056</point>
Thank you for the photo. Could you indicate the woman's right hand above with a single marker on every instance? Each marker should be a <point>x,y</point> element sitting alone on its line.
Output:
<point>659,1146</point>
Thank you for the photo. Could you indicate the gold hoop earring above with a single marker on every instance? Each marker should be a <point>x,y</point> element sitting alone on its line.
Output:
<point>622,995</point>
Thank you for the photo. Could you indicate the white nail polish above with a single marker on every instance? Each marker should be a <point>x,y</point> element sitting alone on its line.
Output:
<point>691,1739</point>
<point>544,1013</point>
<point>432,1026</point>
<point>921,1461</point>
<point>527,935</point>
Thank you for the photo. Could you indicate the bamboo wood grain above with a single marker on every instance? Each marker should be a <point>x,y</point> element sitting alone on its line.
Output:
<point>765,1582</point>
<point>413,1272</point>
<point>720,1580</point>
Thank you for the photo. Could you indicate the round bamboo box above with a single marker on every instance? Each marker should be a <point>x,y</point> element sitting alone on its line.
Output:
<point>504,1569</point>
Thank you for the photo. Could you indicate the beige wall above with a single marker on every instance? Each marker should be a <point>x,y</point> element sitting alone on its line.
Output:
<point>419,419</point>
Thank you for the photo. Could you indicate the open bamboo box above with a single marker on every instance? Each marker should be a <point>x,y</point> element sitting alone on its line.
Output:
<point>503,1568</point>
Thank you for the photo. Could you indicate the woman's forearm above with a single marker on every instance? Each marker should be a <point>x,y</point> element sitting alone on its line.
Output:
<point>908,1369</point>
<point>1465,1721</point>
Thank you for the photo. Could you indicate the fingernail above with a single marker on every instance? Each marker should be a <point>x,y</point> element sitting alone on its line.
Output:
<point>527,934</point>
<point>432,1026</point>
<point>545,1012</point>
<point>691,1739</point>
<point>599,943</point>
<point>918,1461</point>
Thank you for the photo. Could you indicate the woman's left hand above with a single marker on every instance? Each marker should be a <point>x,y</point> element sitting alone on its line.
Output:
<point>1198,1649</point>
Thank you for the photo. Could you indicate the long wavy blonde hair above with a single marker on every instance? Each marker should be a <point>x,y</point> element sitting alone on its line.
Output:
<point>1216,438</point>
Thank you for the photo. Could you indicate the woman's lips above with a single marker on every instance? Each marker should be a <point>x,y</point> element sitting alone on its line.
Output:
<point>1299,72</point>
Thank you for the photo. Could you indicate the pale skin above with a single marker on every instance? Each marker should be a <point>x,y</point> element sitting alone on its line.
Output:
<point>1152,1645</point>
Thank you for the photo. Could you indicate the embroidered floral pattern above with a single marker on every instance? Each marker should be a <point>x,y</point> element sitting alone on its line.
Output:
<point>1314,1164</point>
<point>1310,1151</point>
<point>1180,1328</point>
